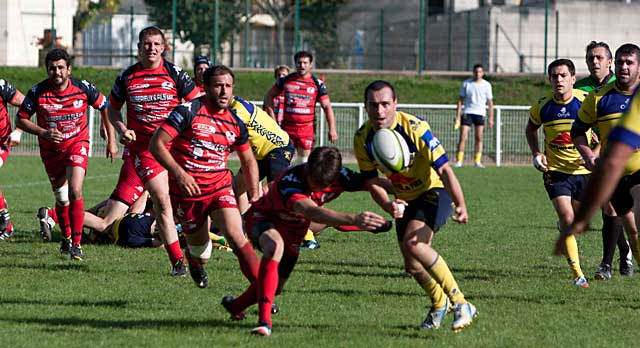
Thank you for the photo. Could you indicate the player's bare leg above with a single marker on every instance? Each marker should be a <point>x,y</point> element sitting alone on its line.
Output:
<point>477,137</point>
<point>198,252</point>
<point>112,210</point>
<point>462,142</point>
<point>229,221</point>
<point>564,207</point>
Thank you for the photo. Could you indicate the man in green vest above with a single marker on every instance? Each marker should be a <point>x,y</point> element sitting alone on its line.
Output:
<point>599,61</point>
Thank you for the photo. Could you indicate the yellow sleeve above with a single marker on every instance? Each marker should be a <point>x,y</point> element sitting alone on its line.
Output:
<point>588,113</point>
<point>364,162</point>
<point>534,114</point>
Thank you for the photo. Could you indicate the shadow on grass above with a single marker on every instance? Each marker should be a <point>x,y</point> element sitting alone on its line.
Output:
<point>81,303</point>
<point>393,266</point>
<point>348,272</point>
<point>354,292</point>
<point>74,266</point>
<point>75,323</point>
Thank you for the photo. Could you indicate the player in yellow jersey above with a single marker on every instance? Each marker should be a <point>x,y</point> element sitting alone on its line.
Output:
<point>563,171</point>
<point>427,188</point>
<point>602,108</point>
<point>623,142</point>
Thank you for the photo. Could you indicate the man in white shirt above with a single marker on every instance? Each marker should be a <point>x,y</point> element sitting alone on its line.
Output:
<point>475,94</point>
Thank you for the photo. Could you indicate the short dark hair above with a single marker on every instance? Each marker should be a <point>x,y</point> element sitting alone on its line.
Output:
<point>57,54</point>
<point>324,165</point>
<point>628,49</point>
<point>148,31</point>
<point>596,44</point>
<point>478,66</point>
<point>302,54</point>
<point>378,85</point>
<point>216,70</point>
<point>559,62</point>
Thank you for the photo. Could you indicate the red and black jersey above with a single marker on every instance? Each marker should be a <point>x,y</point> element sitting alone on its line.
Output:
<point>292,186</point>
<point>202,142</point>
<point>150,95</point>
<point>65,110</point>
<point>300,97</point>
<point>7,92</point>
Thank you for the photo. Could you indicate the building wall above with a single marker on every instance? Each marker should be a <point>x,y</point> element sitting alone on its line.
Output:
<point>23,21</point>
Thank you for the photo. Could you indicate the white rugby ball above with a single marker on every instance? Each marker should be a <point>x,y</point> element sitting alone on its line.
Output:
<point>390,150</point>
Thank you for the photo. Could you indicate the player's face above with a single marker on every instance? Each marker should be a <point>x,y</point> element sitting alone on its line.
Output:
<point>58,72</point>
<point>478,73</point>
<point>303,66</point>
<point>282,73</point>
<point>200,69</point>
<point>381,108</point>
<point>561,82</point>
<point>598,62</point>
<point>220,90</point>
<point>151,49</point>
<point>627,70</point>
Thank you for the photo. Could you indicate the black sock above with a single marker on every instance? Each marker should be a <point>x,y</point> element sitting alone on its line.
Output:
<point>611,230</point>
<point>623,245</point>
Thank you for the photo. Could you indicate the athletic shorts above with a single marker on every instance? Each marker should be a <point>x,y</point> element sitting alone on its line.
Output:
<point>256,224</point>
<point>57,161</point>
<point>469,119</point>
<point>193,214</point>
<point>560,184</point>
<point>302,135</point>
<point>146,165</point>
<point>275,162</point>
<point>621,199</point>
<point>4,154</point>
<point>129,186</point>
<point>432,207</point>
<point>134,233</point>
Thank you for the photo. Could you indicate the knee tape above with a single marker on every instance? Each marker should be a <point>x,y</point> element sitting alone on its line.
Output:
<point>62,193</point>
<point>201,251</point>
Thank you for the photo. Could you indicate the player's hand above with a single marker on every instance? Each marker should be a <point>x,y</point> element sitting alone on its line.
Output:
<point>333,136</point>
<point>112,150</point>
<point>14,138</point>
<point>103,132</point>
<point>461,215</point>
<point>490,122</point>
<point>456,123</point>
<point>396,208</point>
<point>590,163</point>
<point>53,134</point>
<point>540,162</point>
<point>188,184</point>
<point>384,228</point>
<point>127,137</point>
<point>369,221</point>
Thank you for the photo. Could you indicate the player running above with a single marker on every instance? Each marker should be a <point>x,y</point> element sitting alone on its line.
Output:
<point>61,103</point>
<point>427,188</point>
<point>564,173</point>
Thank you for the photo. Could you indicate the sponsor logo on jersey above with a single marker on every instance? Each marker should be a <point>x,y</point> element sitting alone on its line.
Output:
<point>77,103</point>
<point>230,136</point>
<point>206,128</point>
<point>167,85</point>
<point>564,138</point>
<point>311,90</point>
<point>626,104</point>
<point>564,113</point>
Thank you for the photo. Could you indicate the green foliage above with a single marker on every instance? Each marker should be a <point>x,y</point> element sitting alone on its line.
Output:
<point>342,87</point>
<point>352,292</point>
<point>89,11</point>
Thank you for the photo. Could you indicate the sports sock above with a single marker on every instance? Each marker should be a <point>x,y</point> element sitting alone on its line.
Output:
<point>443,276</point>
<point>4,205</point>
<point>477,157</point>
<point>623,245</point>
<point>63,220</point>
<point>267,285</point>
<point>460,156</point>
<point>248,298</point>
<point>309,236</point>
<point>635,248</point>
<point>611,228</point>
<point>249,261</point>
<point>174,252</point>
<point>76,217</point>
<point>192,262</point>
<point>53,215</point>
<point>573,258</point>
<point>435,293</point>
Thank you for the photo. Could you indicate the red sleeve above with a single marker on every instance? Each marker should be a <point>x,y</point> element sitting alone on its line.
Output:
<point>115,103</point>
<point>193,95</point>
<point>293,199</point>
<point>242,147</point>
<point>169,129</point>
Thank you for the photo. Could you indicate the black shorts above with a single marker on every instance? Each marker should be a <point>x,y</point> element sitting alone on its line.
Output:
<point>621,199</point>
<point>276,162</point>
<point>469,119</point>
<point>289,259</point>
<point>432,207</point>
<point>561,184</point>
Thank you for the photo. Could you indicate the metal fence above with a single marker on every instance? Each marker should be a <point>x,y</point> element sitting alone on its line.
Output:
<point>504,144</point>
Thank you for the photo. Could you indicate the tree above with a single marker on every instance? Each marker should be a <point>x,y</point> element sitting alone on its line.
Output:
<point>89,11</point>
<point>195,20</point>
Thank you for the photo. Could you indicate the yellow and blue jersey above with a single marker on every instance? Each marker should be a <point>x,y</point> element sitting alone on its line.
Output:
<point>427,154</point>
<point>556,117</point>
<point>264,133</point>
<point>603,108</point>
<point>627,131</point>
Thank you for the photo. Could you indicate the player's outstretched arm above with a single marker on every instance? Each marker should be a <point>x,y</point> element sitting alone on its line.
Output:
<point>452,185</point>
<point>250,174</point>
<point>158,147</point>
<point>366,220</point>
<point>376,188</point>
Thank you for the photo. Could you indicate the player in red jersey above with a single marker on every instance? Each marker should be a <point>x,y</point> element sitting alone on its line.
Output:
<point>202,133</point>
<point>278,222</point>
<point>301,92</point>
<point>8,94</point>
<point>200,64</point>
<point>280,72</point>
<point>151,88</point>
<point>61,103</point>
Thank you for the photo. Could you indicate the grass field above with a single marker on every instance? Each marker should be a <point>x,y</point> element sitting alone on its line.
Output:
<point>352,292</point>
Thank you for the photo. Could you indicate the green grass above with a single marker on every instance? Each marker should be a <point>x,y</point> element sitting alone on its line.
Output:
<point>352,292</point>
<point>342,87</point>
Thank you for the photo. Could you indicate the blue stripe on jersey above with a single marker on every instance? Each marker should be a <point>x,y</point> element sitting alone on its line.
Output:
<point>552,111</point>
<point>613,103</point>
<point>430,140</point>
<point>368,145</point>
<point>625,136</point>
<point>440,161</point>
<point>412,146</point>
<point>246,104</point>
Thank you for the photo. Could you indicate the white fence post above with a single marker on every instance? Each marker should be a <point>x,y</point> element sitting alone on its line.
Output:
<point>360,115</point>
<point>91,115</point>
<point>498,137</point>
<point>321,136</point>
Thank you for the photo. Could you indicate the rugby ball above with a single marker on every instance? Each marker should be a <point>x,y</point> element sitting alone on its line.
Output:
<point>390,150</point>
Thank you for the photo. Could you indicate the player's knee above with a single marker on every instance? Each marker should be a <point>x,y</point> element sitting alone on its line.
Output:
<point>202,253</point>
<point>62,194</point>
<point>75,194</point>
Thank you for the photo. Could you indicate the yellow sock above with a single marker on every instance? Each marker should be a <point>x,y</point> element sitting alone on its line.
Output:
<point>442,274</point>
<point>460,157</point>
<point>573,257</point>
<point>309,236</point>
<point>435,293</point>
<point>635,248</point>
<point>477,157</point>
